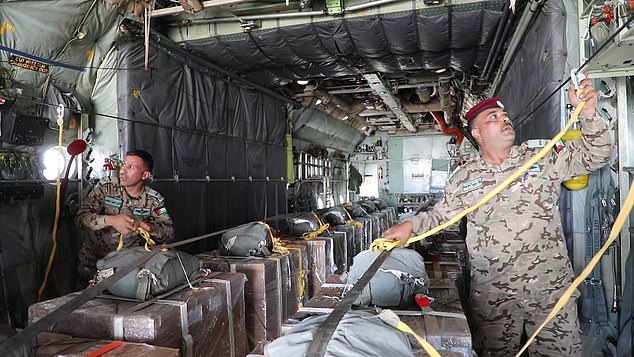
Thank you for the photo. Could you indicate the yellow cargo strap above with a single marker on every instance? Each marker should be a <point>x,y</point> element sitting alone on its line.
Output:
<point>355,223</point>
<point>388,244</point>
<point>278,246</point>
<point>351,221</point>
<point>144,234</point>
<point>314,234</point>
<point>301,275</point>
<point>614,233</point>
<point>392,319</point>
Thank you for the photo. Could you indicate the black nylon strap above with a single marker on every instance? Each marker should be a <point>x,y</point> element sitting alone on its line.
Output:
<point>324,333</point>
<point>13,344</point>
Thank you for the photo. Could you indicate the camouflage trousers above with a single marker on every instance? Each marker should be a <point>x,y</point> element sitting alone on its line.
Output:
<point>96,247</point>
<point>501,320</point>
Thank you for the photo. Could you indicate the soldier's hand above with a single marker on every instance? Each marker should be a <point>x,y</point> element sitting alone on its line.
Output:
<point>588,94</point>
<point>400,232</point>
<point>122,223</point>
<point>149,227</point>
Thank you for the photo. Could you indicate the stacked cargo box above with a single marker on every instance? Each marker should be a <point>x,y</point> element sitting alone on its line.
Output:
<point>208,320</point>
<point>262,292</point>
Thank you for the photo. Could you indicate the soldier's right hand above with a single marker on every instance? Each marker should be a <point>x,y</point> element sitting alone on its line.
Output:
<point>400,232</point>
<point>122,223</point>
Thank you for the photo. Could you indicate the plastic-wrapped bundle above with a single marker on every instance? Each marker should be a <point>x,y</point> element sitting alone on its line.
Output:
<point>316,259</point>
<point>380,204</point>
<point>208,320</point>
<point>401,276</point>
<point>368,206</point>
<point>253,239</point>
<point>335,216</point>
<point>59,345</point>
<point>356,210</point>
<point>358,334</point>
<point>303,223</point>
<point>263,303</point>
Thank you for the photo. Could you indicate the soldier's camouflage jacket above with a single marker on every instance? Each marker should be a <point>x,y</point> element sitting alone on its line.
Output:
<point>515,239</point>
<point>110,198</point>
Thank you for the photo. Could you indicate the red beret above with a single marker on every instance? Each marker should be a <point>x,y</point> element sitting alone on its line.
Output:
<point>494,102</point>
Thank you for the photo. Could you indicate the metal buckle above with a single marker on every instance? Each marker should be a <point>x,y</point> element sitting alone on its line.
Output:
<point>593,282</point>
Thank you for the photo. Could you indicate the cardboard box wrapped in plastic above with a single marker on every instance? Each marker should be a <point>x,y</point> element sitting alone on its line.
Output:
<point>262,293</point>
<point>366,231</point>
<point>329,254</point>
<point>354,240</point>
<point>59,345</point>
<point>446,326</point>
<point>293,280</point>
<point>208,320</point>
<point>339,252</point>
<point>316,270</point>
<point>391,216</point>
<point>284,279</point>
<point>299,275</point>
<point>444,266</point>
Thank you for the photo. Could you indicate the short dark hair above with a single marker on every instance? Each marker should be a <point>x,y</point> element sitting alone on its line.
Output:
<point>471,124</point>
<point>146,156</point>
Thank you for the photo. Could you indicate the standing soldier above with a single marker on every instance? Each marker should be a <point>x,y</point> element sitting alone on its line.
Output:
<point>519,262</point>
<point>117,208</point>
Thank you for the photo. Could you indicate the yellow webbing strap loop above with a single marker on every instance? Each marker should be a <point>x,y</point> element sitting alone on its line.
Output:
<point>350,220</point>
<point>614,233</point>
<point>355,223</point>
<point>347,204</point>
<point>144,234</point>
<point>314,234</point>
<point>392,319</point>
<point>278,246</point>
<point>388,244</point>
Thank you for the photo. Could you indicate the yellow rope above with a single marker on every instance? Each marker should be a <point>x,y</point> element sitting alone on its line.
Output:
<point>144,234</point>
<point>51,257</point>
<point>614,233</point>
<point>314,234</point>
<point>388,244</point>
<point>350,220</point>
<point>301,275</point>
<point>355,223</point>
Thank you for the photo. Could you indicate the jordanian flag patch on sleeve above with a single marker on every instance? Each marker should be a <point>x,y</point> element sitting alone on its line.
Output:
<point>559,146</point>
<point>160,211</point>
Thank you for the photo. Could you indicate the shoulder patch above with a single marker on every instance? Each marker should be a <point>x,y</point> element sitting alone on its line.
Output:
<point>160,211</point>
<point>113,201</point>
<point>152,192</point>
<point>472,185</point>
<point>536,143</point>
<point>559,146</point>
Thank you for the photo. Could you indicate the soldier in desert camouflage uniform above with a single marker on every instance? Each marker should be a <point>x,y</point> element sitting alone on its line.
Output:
<point>117,207</point>
<point>519,262</point>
